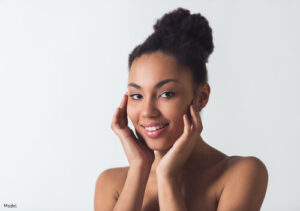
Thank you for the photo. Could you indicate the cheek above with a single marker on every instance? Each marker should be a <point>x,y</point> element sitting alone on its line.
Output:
<point>178,125</point>
<point>175,115</point>
<point>175,111</point>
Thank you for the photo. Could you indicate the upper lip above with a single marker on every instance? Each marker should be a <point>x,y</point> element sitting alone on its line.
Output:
<point>153,124</point>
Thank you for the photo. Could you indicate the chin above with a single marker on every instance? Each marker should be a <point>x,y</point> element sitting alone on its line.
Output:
<point>159,145</point>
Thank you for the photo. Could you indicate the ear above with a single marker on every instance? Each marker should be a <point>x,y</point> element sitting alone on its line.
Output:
<point>202,96</point>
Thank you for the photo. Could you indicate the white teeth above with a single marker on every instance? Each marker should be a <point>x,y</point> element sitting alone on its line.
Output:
<point>154,128</point>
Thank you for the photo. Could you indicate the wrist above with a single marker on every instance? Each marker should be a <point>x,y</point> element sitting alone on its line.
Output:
<point>141,166</point>
<point>170,178</point>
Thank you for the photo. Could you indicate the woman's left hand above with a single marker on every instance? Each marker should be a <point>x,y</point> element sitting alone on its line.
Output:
<point>172,162</point>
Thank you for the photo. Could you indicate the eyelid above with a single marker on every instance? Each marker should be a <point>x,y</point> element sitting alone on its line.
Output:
<point>172,93</point>
<point>132,95</point>
<point>167,91</point>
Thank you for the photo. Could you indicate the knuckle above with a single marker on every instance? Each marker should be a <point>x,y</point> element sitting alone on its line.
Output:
<point>193,127</point>
<point>113,126</point>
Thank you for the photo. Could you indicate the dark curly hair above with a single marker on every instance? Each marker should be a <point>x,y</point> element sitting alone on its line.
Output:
<point>187,37</point>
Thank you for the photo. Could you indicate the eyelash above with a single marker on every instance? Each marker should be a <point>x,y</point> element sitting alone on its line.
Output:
<point>172,95</point>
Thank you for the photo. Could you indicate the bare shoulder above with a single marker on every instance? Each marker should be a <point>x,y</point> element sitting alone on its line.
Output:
<point>113,177</point>
<point>114,173</point>
<point>245,181</point>
<point>239,165</point>
<point>107,187</point>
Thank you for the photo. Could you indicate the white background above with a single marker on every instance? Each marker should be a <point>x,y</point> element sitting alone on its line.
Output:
<point>63,71</point>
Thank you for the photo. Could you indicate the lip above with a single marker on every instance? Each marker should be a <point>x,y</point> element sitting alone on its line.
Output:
<point>155,133</point>
<point>153,124</point>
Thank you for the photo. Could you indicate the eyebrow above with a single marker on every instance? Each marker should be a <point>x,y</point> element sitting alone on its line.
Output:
<point>158,85</point>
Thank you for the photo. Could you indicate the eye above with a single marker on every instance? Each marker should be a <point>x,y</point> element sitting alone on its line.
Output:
<point>167,94</point>
<point>135,96</point>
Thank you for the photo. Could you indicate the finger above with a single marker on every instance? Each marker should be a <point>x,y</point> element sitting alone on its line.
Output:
<point>197,119</point>
<point>115,120</point>
<point>123,107</point>
<point>200,122</point>
<point>120,118</point>
<point>187,124</point>
<point>186,132</point>
<point>194,117</point>
<point>124,101</point>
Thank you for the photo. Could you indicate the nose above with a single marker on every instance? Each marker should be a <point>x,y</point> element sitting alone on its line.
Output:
<point>149,108</point>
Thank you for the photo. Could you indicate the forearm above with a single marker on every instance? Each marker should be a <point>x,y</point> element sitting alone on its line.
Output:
<point>131,197</point>
<point>169,195</point>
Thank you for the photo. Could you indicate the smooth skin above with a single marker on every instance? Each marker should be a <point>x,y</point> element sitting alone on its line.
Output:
<point>184,173</point>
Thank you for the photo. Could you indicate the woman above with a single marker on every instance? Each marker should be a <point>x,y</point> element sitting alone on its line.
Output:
<point>167,88</point>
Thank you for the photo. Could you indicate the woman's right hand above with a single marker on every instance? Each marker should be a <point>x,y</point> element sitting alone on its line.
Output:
<point>136,149</point>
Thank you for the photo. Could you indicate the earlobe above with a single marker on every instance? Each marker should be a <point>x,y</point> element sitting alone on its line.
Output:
<point>203,96</point>
<point>198,103</point>
<point>194,102</point>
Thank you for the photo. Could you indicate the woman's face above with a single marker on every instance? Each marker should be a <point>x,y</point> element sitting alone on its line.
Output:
<point>160,92</point>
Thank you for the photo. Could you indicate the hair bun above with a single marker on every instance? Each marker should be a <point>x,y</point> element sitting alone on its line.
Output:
<point>171,20</point>
<point>184,27</point>
<point>186,36</point>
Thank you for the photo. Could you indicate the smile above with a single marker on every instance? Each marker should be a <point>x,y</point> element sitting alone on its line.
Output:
<point>155,131</point>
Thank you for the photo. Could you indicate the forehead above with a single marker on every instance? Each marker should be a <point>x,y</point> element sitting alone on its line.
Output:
<point>157,66</point>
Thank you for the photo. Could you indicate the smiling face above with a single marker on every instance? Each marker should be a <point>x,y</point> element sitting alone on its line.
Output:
<point>160,92</point>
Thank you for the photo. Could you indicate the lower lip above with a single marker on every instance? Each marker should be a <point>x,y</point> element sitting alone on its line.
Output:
<point>155,133</point>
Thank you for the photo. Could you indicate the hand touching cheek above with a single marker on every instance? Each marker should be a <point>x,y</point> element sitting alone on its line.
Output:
<point>173,161</point>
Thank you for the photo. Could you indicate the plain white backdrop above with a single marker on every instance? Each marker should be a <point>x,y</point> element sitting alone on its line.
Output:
<point>63,71</point>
